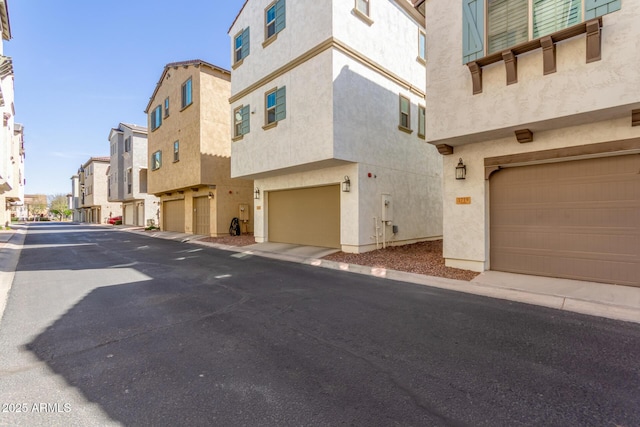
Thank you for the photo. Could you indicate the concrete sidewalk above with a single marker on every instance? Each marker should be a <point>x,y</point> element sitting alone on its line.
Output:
<point>10,247</point>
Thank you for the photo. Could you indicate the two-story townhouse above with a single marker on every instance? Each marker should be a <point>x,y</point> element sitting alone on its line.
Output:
<point>189,152</point>
<point>536,108</point>
<point>327,103</point>
<point>94,203</point>
<point>127,176</point>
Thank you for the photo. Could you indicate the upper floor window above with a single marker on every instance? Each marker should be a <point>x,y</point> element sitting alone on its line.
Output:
<point>422,46</point>
<point>156,160</point>
<point>127,144</point>
<point>187,93</point>
<point>176,151</point>
<point>156,117</point>
<point>276,105</point>
<point>422,122</point>
<point>362,6</point>
<point>405,114</point>
<point>129,179</point>
<point>275,18</point>
<point>241,121</point>
<point>241,45</point>
<point>166,107</point>
<point>511,22</point>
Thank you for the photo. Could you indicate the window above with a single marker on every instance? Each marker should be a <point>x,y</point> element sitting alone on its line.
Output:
<point>156,118</point>
<point>275,18</point>
<point>127,144</point>
<point>241,121</point>
<point>156,160</point>
<point>362,6</point>
<point>422,46</point>
<point>241,46</point>
<point>511,22</point>
<point>128,179</point>
<point>166,107</point>
<point>422,122</point>
<point>405,114</point>
<point>176,151</point>
<point>186,94</point>
<point>275,105</point>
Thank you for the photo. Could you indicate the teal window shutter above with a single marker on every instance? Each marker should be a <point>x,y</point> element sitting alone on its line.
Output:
<point>280,15</point>
<point>555,15</point>
<point>281,103</point>
<point>596,8</point>
<point>472,30</point>
<point>245,43</point>
<point>244,128</point>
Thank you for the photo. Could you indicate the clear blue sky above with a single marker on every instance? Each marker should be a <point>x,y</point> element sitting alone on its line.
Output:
<point>83,66</point>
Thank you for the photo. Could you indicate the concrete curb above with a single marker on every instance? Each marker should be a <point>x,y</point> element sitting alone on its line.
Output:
<point>9,256</point>
<point>559,302</point>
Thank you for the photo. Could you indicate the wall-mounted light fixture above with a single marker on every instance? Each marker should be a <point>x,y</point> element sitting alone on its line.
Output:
<point>256,193</point>
<point>461,170</point>
<point>210,195</point>
<point>346,184</point>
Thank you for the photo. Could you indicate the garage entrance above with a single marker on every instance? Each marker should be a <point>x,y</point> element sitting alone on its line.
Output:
<point>577,220</point>
<point>307,216</point>
<point>173,212</point>
<point>201,215</point>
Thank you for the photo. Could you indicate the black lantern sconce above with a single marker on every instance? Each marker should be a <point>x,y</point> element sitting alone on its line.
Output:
<point>461,170</point>
<point>256,194</point>
<point>346,184</point>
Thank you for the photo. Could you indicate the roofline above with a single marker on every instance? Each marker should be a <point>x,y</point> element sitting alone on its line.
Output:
<point>182,64</point>
<point>237,16</point>
<point>101,159</point>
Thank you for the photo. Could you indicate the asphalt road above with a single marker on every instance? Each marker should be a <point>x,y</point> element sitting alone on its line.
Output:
<point>109,327</point>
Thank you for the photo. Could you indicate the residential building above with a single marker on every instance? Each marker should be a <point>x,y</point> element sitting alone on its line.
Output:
<point>11,134</point>
<point>536,105</point>
<point>327,102</point>
<point>94,206</point>
<point>76,198</point>
<point>127,175</point>
<point>189,149</point>
<point>35,206</point>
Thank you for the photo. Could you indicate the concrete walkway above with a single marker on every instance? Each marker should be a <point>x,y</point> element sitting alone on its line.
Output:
<point>596,299</point>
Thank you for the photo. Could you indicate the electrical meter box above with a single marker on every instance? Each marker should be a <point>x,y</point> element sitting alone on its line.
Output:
<point>387,208</point>
<point>243,214</point>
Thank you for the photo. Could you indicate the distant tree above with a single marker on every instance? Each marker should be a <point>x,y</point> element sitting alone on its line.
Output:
<point>59,206</point>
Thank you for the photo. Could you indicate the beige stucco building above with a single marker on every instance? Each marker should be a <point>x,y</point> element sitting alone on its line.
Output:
<point>327,106</point>
<point>540,102</point>
<point>94,205</point>
<point>189,152</point>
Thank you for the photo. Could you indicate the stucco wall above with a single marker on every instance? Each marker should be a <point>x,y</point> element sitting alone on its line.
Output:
<point>578,93</point>
<point>466,227</point>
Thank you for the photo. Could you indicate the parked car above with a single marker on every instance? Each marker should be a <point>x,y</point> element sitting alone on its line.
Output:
<point>115,220</point>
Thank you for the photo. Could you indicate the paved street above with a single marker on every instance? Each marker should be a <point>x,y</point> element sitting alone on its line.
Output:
<point>105,327</point>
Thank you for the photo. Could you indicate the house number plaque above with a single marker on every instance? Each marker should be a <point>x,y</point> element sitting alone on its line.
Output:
<point>463,200</point>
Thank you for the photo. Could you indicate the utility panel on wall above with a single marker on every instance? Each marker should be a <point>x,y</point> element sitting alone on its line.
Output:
<point>387,208</point>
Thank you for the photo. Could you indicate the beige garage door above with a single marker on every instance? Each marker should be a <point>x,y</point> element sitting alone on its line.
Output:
<point>577,220</point>
<point>128,214</point>
<point>309,216</point>
<point>174,215</point>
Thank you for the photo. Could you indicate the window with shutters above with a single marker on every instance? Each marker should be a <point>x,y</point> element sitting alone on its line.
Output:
<point>405,115</point>
<point>241,46</point>
<point>240,121</point>
<point>422,122</point>
<point>512,22</point>
<point>275,20</point>
<point>275,106</point>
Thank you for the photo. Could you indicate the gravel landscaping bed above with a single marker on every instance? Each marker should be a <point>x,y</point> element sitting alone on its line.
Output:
<point>243,240</point>
<point>421,258</point>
